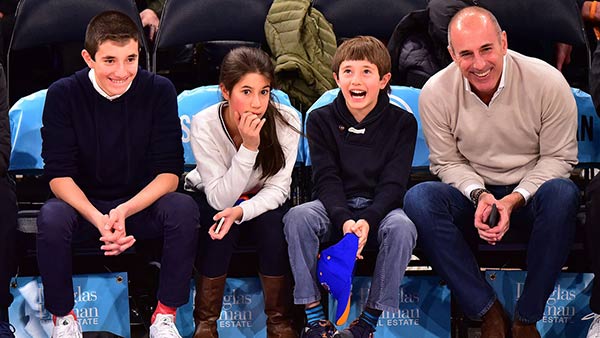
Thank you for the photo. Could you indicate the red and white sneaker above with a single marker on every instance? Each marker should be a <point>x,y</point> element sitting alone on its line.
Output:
<point>66,327</point>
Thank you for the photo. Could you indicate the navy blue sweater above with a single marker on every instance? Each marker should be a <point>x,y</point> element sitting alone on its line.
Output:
<point>374,165</point>
<point>112,149</point>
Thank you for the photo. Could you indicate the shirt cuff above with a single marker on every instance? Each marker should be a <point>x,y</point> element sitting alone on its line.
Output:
<point>244,212</point>
<point>526,195</point>
<point>247,155</point>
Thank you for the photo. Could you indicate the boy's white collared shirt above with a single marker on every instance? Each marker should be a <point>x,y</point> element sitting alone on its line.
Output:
<point>92,76</point>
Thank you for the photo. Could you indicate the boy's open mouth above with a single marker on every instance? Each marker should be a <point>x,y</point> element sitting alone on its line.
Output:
<point>358,93</point>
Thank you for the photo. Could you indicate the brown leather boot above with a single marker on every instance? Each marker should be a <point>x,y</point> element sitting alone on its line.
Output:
<point>495,322</point>
<point>207,305</point>
<point>277,292</point>
<point>523,330</point>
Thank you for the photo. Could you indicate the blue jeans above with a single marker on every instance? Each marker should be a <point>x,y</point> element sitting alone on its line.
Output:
<point>444,218</point>
<point>174,217</point>
<point>308,224</point>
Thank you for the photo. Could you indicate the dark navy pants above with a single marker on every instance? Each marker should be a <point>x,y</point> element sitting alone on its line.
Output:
<point>8,230</point>
<point>444,217</point>
<point>174,217</point>
<point>266,231</point>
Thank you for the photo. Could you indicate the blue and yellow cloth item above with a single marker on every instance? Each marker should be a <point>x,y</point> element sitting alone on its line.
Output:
<point>335,267</point>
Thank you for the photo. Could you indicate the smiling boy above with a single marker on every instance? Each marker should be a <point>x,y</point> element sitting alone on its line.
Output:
<point>113,156</point>
<point>361,148</point>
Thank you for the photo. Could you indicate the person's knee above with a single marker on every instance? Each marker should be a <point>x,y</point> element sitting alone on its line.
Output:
<point>421,200</point>
<point>179,213</point>
<point>557,202</point>
<point>178,205</point>
<point>421,195</point>
<point>297,221</point>
<point>398,228</point>
<point>55,218</point>
<point>562,191</point>
<point>270,230</point>
<point>271,218</point>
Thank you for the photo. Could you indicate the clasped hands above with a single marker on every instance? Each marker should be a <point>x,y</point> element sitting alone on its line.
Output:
<point>361,229</point>
<point>505,207</point>
<point>112,232</point>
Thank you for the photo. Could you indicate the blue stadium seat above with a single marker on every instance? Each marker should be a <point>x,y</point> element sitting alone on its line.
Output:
<point>26,121</point>
<point>26,140</point>
<point>25,118</point>
<point>588,131</point>
<point>192,101</point>
<point>406,98</point>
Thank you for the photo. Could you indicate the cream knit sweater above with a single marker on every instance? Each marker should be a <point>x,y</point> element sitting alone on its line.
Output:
<point>526,136</point>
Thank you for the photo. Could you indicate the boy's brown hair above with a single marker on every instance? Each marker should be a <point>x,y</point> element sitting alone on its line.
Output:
<point>364,48</point>
<point>110,25</point>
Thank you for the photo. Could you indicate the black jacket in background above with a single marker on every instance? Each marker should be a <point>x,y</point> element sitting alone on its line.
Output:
<point>4,125</point>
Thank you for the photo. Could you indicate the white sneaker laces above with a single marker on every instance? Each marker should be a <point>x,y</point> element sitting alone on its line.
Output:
<point>164,327</point>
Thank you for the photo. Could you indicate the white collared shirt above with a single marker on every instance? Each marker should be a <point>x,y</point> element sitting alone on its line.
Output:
<point>92,76</point>
<point>500,85</point>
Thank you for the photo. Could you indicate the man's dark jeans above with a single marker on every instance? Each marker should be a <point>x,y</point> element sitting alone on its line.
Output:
<point>444,217</point>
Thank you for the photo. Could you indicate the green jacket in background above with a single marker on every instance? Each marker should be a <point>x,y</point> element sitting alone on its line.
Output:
<point>303,44</point>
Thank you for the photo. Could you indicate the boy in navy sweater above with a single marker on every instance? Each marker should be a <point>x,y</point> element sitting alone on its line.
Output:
<point>361,148</point>
<point>113,156</point>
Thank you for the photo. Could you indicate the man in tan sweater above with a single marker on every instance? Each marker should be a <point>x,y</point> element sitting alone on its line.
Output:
<point>501,129</point>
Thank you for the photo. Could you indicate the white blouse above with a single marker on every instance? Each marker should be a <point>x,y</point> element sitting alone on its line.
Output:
<point>224,173</point>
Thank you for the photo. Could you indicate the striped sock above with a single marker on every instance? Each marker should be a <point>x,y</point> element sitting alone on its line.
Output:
<point>314,314</point>
<point>370,316</point>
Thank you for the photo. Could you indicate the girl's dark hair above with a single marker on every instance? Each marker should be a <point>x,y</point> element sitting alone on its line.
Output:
<point>236,64</point>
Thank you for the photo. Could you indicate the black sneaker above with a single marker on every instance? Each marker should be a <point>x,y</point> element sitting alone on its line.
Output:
<point>321,329</point>
<point>357,329</point>
<point>6,330</point>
